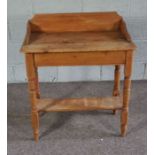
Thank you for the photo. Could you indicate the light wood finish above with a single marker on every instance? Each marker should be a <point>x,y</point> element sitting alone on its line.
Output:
<point>71,22</point>
<point>79,104</point>
<point>124,31</point>
<point>33,91</point>
<point>116,90</point>
<point>77,41</point>
<point>73,39</point>
<point>126,91</point>
<point>37,82</point>
<point>87,32</point>
<point>80,58</point>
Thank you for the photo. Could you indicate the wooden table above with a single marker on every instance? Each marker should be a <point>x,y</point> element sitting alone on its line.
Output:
<point>72,39</point>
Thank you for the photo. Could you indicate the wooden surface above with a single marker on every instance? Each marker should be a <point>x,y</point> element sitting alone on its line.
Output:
<point>78,39</point>
<point>79,104</point>
<point>79,32</point>
<point>84,58</point>
<point>116,89</point>
<point>126,91</point>
<point>33,91</point>
<point>71,22</point>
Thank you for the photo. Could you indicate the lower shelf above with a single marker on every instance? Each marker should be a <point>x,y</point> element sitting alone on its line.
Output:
<point>79,104</point>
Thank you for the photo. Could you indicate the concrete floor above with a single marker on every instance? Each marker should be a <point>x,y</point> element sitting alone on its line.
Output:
<point>76,133</point>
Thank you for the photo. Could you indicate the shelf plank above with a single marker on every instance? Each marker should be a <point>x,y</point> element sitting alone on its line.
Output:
<point>77,41</point>
<point>79,104</point>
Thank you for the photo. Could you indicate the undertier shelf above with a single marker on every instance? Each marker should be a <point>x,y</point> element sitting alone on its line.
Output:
<point>79,104</point>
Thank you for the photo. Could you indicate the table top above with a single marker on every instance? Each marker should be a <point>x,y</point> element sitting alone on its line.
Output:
<point>77,32</point>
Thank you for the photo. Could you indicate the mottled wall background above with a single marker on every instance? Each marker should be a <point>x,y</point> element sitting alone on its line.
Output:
<point>19,11</point>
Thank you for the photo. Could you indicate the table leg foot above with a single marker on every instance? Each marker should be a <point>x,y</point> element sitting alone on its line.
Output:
<point>35,125</point>
<point>114,112</point>
<point>124,121</point>
<point>36,137</point>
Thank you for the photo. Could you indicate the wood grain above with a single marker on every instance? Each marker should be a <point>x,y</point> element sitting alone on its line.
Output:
<point>116,89</point>
<point>77,41</point>
<point>126,91</point>
<point>77,32</point>
<point>71,22</point>
<point>70,39</point>
<point>79,104</point>
<point>84,58</point>
<point>33,91</point>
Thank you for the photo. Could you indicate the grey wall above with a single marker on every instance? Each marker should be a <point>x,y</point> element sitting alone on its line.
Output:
<point>19,11</point>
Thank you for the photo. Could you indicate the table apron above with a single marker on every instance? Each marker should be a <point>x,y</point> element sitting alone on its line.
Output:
<point>79,58</point>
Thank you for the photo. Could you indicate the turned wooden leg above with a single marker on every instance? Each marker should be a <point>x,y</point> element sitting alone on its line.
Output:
<point>33,91</point>
<point>126,91</point>
<point>116,90</point>
<point>35,124</point>
<point>37,83</point>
